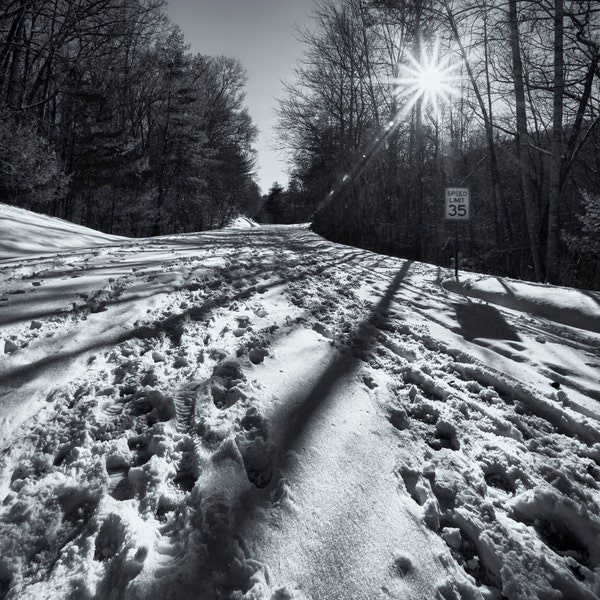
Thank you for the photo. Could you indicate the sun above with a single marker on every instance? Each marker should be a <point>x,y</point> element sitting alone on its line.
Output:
<point>430,80</point>
<point>427,79</point>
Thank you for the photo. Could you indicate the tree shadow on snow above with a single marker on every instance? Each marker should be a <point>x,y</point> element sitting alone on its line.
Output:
<point>482,321</point>
<point>294,425</point>
<point>341,366</point>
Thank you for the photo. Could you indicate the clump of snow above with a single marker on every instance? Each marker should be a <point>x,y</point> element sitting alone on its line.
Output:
<point>242,222</point>
<point>261,414</point>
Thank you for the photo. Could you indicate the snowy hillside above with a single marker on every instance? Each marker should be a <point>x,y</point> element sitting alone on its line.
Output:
<point>25,232</point>
<point>257,413</point>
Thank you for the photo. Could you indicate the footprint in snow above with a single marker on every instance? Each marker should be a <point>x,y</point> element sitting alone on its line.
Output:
<point>256,449</point>
<point>119,486</point>
<point>226,384</point>
<point>502,472</point>
<point>562,525</point>
<point>154,405</point>
<point>187,469</point>
<point>139,445</point>
<point>444,436</point>
<point>77,504</point>
<point>110,538</point>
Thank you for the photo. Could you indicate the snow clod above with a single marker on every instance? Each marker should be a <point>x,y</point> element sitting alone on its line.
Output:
<point>452,537</point>
<point>10,347</point>
<point>158,357</point>
<point>431,514</point>
<point>257,355</point>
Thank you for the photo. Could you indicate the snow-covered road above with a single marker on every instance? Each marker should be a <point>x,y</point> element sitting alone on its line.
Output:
<point>258,413</point>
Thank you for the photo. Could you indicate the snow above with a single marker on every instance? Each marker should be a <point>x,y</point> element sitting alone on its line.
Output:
<point>242,222</point>
<point>17,226</point>
<point>258,413</point>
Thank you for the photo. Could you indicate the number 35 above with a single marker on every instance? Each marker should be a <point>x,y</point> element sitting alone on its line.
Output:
<point>457,210</point>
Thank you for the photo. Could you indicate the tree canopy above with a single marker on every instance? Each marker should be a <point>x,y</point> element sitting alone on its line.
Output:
<point>393,101</point>
<point>118,125</point>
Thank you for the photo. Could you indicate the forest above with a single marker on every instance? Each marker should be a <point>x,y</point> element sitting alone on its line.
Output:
<point>107,119</point>
<point>515,120</point>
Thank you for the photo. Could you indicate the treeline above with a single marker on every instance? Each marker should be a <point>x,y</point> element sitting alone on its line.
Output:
<point>107,119</point>
<point>521,131</point>
<point>291,205</point>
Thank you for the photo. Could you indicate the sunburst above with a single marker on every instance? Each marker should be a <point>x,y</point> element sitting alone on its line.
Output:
<point>428,80</point>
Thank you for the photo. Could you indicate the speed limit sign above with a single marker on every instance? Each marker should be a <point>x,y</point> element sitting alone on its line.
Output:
<point>457,204</point>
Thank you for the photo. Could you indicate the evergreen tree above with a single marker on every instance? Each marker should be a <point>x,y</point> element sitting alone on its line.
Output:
<point>274,207</point>
<point>151,138</point>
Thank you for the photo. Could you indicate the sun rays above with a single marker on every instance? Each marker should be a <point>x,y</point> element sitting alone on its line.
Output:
<point>431,80</point>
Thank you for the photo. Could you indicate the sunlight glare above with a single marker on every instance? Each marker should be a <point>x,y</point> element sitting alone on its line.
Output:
<point>427,80</point>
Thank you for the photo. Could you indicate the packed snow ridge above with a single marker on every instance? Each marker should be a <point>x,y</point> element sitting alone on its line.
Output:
<point>258,413</point>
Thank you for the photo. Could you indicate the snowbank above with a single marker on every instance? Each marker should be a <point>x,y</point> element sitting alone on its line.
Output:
<point>23,233</point>
<point>577,308</point>
<point>242,222</point>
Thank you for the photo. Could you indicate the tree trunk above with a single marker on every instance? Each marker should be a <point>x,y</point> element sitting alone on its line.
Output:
<point>498,195</point>
<point>531,210</point>
<point>15,75</point>
<point>556,161</point>
<point>419,195</point>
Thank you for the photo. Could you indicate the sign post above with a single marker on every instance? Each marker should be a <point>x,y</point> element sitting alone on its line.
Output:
<point>457,209</point>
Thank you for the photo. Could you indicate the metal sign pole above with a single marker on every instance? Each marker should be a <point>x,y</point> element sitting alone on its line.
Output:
<point>457,202</point>
<point>456,250</point>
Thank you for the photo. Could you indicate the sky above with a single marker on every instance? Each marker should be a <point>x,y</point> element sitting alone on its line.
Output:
<point>262,35</point>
